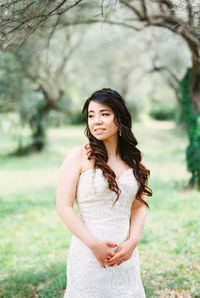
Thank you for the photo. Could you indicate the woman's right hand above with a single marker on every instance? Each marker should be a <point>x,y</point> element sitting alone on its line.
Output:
<point>102,252</point>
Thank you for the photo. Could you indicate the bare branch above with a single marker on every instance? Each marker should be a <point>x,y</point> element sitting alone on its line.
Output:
<point>168,70</point>
<point>168,4</point>
<point>176,25</point>
<point>67,8</point>
<point>25,22</point>
<point>102,2</point>
<point>133,8</point>
<point>190,13</point>
<point>53,29</point>
<point>171,78</point>
<point>87,22</point>
<point>144,8</point>
<point>59,71</point>
<point>59,6</point>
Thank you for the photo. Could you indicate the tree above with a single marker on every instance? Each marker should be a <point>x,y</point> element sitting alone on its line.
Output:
<point>35,83</point>
<point>182,18</point>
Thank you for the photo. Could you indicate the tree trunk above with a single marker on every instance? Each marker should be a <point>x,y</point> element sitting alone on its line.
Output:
<point>37,124</point>
<point>38,132</point>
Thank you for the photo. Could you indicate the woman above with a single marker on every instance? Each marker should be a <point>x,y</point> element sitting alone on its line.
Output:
<point>109,182</point>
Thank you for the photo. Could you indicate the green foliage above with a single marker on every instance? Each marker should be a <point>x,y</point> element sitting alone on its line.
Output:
<point>159,113</point>
<point>11,82</point>
<point>56,118</point>
<point>75,117</point>
<point>193,128</point>
<point>162,106</point>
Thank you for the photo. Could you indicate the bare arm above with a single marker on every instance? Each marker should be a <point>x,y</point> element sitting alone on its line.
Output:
<point>69,173</point>
<point>137,220</point>
<point>66,191</point>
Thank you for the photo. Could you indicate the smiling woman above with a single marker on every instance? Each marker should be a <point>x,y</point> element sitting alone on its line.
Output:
<point>101,120</point>
<point>108,179</point>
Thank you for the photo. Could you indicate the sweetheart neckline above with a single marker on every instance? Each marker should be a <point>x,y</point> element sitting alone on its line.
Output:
<point>117,179</point>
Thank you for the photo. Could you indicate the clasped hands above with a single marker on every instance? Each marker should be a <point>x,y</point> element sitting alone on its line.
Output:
<point>104,254</point>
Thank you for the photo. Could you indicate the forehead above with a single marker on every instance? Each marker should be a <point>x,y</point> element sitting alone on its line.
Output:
<point>97,107</point>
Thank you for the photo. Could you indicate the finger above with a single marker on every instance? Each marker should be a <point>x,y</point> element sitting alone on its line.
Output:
<point>108,258</point>
<point>105,261</point>
<point>120,263</point>
<point>118,249</point>
<point>117,257</point>
<point>112,244</point>
<point>101,263</point>
<point>111,254</point>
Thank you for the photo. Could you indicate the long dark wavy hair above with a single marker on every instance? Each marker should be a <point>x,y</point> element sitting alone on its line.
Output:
<point>126,143</point>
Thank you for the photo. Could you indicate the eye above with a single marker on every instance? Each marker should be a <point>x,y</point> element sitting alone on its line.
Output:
<point>90,116</point>
<point>105,114</point>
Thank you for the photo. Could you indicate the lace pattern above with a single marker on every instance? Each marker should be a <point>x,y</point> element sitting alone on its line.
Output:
<point>85,277</point>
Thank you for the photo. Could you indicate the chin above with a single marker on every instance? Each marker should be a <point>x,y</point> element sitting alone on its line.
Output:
<point>100,138</point>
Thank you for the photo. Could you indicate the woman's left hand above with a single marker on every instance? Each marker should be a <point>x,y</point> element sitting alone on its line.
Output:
<point>123,253</point>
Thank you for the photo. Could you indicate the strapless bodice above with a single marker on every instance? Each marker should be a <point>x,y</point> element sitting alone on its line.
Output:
<point>95,200</point>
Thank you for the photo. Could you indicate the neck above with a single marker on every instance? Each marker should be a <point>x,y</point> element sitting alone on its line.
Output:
<point>112,147</point>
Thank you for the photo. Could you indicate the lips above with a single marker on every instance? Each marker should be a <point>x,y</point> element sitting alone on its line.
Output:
<point>99,130</point>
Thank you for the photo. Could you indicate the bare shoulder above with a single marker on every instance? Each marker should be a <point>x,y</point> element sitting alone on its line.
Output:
<point>72,161</point>
<point>81,152</point>
<point>76,159</point>
<point>76,152</point>
<point>86,163</point>
<point>68,176</point>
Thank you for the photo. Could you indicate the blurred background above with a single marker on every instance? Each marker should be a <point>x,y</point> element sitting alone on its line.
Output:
<point>54,55</point>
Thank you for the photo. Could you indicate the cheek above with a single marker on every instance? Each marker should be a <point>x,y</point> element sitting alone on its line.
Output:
<point>89,124</point>
<point>114,126</point>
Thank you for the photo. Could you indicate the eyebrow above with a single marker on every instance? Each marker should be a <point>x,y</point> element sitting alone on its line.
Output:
<point>103,110</point>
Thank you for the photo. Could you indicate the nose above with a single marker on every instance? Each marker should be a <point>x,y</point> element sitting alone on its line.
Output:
<point>97,119</point>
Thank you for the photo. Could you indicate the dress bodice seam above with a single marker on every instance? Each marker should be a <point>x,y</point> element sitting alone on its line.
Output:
<point>91,169</point>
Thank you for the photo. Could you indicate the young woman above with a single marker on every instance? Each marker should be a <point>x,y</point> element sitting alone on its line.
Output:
<point>108,180</point>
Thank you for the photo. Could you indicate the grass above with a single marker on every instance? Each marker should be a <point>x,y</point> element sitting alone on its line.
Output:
<point>34,242</point>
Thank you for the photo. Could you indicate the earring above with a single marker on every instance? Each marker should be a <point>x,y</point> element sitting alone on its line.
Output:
<point>120,131</point>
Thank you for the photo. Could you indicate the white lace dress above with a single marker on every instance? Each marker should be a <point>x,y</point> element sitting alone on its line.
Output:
<point>85,276</point>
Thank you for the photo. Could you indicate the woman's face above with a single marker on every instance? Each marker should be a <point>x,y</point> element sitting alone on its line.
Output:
<point>101,121</point>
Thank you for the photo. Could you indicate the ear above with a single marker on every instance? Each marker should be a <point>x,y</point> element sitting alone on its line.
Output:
<point>117,122</point>
<point>142,161</point>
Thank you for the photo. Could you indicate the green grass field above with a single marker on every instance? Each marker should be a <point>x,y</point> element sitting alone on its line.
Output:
<point>34,241</point>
